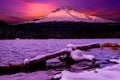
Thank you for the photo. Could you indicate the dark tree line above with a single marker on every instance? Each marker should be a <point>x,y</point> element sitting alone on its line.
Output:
<point>59,30</point>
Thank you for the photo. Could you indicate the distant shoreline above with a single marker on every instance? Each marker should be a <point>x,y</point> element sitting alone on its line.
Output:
<point>60,30</point>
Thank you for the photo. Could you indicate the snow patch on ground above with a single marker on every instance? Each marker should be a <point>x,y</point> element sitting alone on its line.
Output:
<point>115,60</point>
<point>108,73</point>
<point>76,55</point>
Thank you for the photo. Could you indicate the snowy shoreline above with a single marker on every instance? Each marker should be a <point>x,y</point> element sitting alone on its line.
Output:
<point>107,73</point>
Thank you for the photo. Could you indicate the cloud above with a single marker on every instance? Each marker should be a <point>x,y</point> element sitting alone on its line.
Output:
<point>35,9</point>
<point>29,9</point>
<point>104,13</point>
<point>15,18</point>
<point>24,9</point>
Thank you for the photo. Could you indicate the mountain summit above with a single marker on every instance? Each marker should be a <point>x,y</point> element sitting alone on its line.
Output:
<point>67,14</point>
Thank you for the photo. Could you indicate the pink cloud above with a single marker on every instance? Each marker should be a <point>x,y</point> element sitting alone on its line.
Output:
<point>108,14</point>
<point>38,9</point>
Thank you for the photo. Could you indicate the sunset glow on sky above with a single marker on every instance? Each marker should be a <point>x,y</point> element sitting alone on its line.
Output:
<point>13,11</point>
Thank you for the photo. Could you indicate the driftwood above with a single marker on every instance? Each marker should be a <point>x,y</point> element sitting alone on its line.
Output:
<point>32,65</point>
<point>11,69</point>
<point>110,45</point>
<point>40,63</point>
<point>88,46</point>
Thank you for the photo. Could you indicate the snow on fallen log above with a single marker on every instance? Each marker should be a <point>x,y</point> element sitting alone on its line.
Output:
<point>48,56</point>
<point>77,55</point>
<point>70,47</point>
<point>40,62</point>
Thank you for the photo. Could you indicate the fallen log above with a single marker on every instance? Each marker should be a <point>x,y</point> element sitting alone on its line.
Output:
<point>110,45</point>
<point>40,64</point>
<point>31,65</point>
<point>11,69</point>
<point>88,46</point>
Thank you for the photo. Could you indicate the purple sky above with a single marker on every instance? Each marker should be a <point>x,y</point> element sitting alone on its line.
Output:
<point>13,11</point>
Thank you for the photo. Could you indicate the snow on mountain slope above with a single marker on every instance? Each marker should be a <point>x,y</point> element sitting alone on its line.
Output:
<point>67,14</point>
<point>87,18</point>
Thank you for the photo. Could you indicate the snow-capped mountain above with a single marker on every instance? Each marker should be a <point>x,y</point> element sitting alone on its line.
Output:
<point>67,14</point>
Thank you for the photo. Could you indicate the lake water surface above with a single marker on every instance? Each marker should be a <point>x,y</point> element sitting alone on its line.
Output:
<point>15,51</point>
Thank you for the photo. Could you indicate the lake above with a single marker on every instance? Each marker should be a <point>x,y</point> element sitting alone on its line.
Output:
<point>15,51</point>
